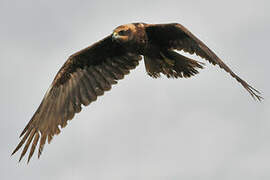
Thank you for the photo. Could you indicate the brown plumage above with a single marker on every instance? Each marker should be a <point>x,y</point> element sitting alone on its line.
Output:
<point>90,72</point>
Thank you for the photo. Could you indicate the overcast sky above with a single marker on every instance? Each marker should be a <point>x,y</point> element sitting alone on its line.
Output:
<point>206,128</point>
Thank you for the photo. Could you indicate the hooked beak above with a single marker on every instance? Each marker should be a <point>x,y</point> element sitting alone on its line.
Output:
<point>115,35</point>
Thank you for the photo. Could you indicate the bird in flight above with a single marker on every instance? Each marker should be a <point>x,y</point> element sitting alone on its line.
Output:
<point>90,72</point>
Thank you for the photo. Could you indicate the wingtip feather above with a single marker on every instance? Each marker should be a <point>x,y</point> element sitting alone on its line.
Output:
<point>34,144</point>
<point>29,140</point>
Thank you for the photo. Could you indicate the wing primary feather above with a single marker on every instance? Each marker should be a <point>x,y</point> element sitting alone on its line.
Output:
<point>52,118</point>
<point>41,143</point>
<point>32,119</point>
<point>27,126</point>
<point>216,60</point>
<point>34,144</point>
<point>22,141</point>
<point>27,144</point>
<point>50,137</point>
<point>47,114</point>
<point>222,65</point>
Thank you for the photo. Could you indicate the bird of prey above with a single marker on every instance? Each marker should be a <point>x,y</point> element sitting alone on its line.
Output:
<point>90,72</point>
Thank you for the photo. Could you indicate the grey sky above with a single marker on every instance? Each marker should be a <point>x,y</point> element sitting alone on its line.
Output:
<point>207,127</point>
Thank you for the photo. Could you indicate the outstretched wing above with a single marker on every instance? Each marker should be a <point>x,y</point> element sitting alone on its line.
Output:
<point>176,36</point>
<point>84,76</point>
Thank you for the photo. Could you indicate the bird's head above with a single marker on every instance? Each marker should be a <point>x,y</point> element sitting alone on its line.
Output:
<point>124,33</point>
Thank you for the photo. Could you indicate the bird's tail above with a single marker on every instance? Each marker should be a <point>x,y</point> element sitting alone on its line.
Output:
<point>171,64</point>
